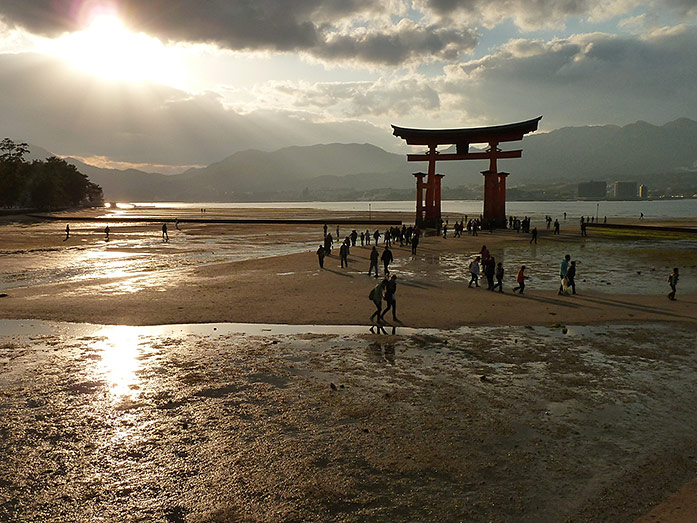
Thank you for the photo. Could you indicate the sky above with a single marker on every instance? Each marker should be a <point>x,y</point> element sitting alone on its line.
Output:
<point>163,85</point>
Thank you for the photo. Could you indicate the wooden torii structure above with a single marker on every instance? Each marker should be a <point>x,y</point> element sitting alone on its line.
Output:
<point>428,211</point>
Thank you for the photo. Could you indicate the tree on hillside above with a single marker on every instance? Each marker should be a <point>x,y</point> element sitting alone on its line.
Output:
<point>52,183</point>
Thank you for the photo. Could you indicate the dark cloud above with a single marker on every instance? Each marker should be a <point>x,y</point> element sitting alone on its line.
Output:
<point>328,29</point>
<point>46,103</point>
<point>404,42</point>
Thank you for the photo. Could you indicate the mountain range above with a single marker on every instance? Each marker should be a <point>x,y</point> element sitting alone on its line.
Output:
<point>640,152</point>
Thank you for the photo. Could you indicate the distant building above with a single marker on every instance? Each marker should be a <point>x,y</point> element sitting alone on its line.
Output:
<point>643,192</point>
<point>625,190</point>
<point>593,190</point>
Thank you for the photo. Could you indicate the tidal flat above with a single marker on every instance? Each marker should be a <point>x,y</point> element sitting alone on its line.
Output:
<point>212,423</point>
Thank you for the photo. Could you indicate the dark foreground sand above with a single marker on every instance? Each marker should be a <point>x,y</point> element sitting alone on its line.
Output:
<point>484,424</point>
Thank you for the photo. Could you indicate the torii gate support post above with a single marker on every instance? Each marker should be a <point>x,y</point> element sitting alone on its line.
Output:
<point>420,185</point>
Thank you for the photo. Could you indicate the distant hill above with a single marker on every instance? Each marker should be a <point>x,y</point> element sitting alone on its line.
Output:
<point>639,151</point>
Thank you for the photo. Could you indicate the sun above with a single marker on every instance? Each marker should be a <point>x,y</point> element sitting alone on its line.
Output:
<point>108,49</point>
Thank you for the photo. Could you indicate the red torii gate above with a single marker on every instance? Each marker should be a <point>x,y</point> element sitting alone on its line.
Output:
<point>428,212</point>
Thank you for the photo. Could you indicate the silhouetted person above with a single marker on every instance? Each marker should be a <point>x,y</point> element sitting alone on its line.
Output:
<point>362,238</point>
<point>367,237</point>
<point>533,237</point>
<point>376,297</point>
<point>489,271</point>
<point>563,269</point>
<point>106,233</point>
<point>165,236</point>
<point>337,233</point>
<point>354,237</point>
<point>390,290</point>
<point>414,243</point>
<point>376,235</point>
<point>673,282</point>
<point>556,226</point>
<point>343,255</point>
<point>176,224</point>
<point>520,279</point>
<point>386,259</point>
<point>325,230</point>
<point>328,241</point>
<point>374,257</point>
<point>499,277</point>
<point>570,277</point>
<point>320,256</point>
<point>67,232</point>
<point>474,272</point>
<point>583,228</point>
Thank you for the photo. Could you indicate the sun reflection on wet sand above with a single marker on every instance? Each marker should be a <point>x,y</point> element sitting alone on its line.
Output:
<point>120,348</point>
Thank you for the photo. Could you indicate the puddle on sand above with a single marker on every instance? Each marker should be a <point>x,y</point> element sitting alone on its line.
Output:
<point>314,423</point>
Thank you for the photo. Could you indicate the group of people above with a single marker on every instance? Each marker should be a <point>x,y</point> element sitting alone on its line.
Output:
<point>386,289</point>
<point>404,235</point>
<point>485,263</point>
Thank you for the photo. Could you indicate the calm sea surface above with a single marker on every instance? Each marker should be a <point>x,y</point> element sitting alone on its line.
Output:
<point>659,209</point>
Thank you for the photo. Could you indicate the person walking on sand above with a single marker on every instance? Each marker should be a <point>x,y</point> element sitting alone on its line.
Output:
<point>362,238</point>
<point>374,257</point>
<point>390,290</point>
<point>328,241</point>
<point>337,233</point>
<point>570,275</point>
<point>533,235</point>
<point>376,235</point>
<point>386,260</point>
<point>320,256</point>
<point>489,272</point>
<point>343,254</point>
<point>499,277</point>
<point>520,278</point>
<point>165,236</point>
<point>673,282</point>
<point>106,233</point>
<point>474,272</point>
<point>325,230</point>
<point>556,226</point>
<point>563,269</point>
<point>414,242</point>
<point>67,232</point>
<point>376,297</point>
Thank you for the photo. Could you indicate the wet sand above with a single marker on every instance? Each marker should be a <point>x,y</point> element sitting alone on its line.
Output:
<point>480,424</point>
<point>510,419</point>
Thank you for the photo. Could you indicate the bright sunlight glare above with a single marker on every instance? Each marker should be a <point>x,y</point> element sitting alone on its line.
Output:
<point>109,50</point>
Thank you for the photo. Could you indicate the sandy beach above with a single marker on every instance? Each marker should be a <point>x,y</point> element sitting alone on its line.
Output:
<point>482,406</point>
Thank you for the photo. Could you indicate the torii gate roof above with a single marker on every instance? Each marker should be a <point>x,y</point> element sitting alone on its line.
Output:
<point>497,133</point>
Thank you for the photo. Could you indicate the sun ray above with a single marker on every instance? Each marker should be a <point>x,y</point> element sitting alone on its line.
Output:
<point>108,49</point>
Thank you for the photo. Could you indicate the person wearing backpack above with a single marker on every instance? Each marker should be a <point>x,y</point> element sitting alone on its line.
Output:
<point>376,297</point>
<point>474,272</point>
